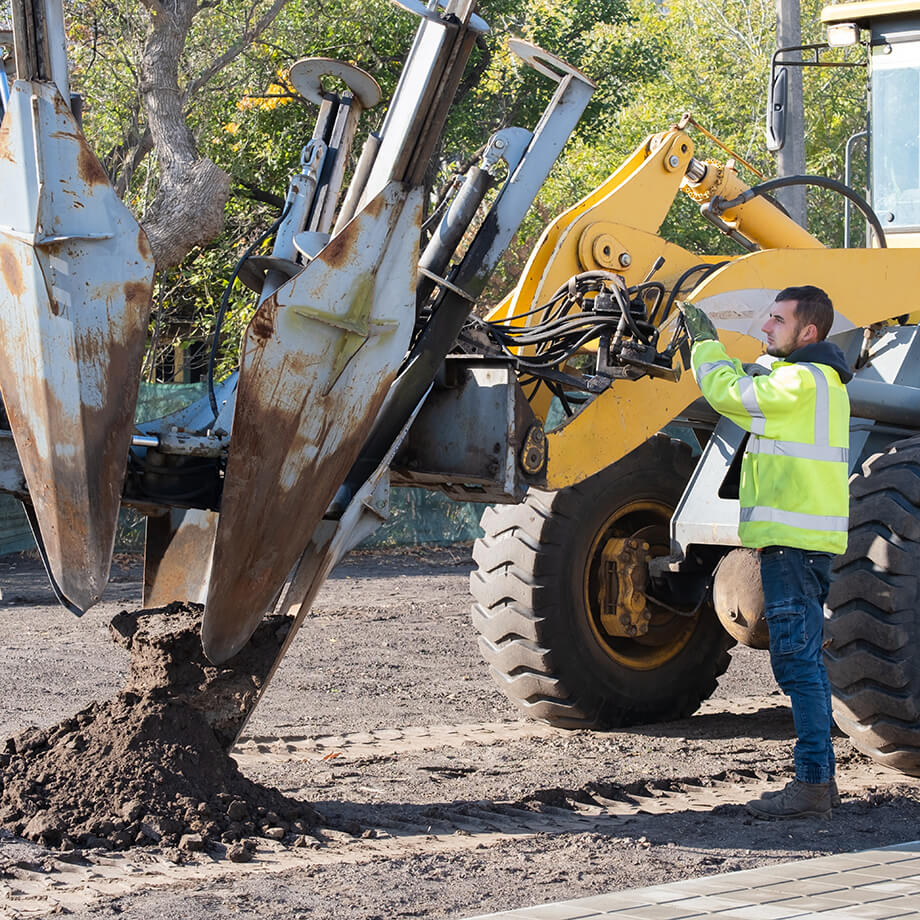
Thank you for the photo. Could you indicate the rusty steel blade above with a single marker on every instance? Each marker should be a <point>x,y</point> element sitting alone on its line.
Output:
<point>74,301</point>
<point>318,358</point>
<point>177,556</point>
<point>331,540</point>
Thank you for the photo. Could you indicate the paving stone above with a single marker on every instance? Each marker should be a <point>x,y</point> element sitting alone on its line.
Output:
<point>756,878</point>
<point>765,895</point>
<point>822,903</point>
<point>710,904</point>
<point>871,875</point>
<point>712,884</point>
<point>881,884</point>
<point>804,870</point>
<point>846,862</point>
<point>565,910</point>
<point>865,895</point>
<point>860,877</point>
<point>612,903</point>
<point>654,912</point>
<point>761,912</point>
<point>808,887</point>
<point>910,845</point>
<point>902,870</point>
<point>659,894</point>
<point>896,887</point>
<point>867,912</point>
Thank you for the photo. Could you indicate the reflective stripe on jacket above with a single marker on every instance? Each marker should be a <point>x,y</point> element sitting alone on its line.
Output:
<point>794,489</point>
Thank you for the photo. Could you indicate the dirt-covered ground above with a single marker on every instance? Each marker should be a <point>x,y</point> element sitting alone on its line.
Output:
<point>423,794</point>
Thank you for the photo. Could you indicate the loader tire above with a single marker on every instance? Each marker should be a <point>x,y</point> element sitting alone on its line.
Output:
<point>536,608</point>
<point>873,653</point>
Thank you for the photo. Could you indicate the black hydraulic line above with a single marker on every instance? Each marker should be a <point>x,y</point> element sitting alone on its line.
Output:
<point>449,314</point>
<point>634,326</point>
<point>225,301</point>
<point>559,345</point>
<point>585,278</point>
<point>821,182</point>
<point>542,306</point>
<point>552,360</point>
<point>531,335</point>
<point>651,286</point>
<point>707,268</point>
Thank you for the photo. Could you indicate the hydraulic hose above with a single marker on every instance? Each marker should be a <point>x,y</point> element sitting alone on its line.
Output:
<point>225,302</point>
<point>821,182</point>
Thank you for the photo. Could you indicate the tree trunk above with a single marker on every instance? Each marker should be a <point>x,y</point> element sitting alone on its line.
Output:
<point>188,209</point>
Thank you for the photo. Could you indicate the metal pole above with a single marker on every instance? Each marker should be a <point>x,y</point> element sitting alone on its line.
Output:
<point>790,161</point>
<point>847,179</point>
<point>41,43</point>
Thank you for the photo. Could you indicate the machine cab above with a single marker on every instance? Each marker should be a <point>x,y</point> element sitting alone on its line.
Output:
<point>892,30</point>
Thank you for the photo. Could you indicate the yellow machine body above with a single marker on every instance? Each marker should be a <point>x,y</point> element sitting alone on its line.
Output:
<point>615,229</point>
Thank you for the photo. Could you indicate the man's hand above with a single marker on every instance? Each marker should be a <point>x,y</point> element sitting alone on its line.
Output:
<point>699,325</point>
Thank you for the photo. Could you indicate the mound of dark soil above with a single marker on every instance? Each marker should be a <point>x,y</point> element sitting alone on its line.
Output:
<point>151,765</point>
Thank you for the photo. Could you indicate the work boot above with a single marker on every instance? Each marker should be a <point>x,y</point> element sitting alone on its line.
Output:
<point>795,800</point>
<point>835,793</point>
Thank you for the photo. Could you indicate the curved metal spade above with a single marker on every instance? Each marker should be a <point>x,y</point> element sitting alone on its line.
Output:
<point>318,358</point>
<point>74,301</point>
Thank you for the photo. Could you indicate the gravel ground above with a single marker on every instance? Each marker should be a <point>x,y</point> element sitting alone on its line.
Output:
<point>435,799</point>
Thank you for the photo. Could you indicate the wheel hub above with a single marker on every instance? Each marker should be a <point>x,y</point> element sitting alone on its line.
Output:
<point>631,627</point>
<point>622,601</point>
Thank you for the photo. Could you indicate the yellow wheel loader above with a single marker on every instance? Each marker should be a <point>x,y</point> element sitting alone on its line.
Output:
<point>608,588</point>
<point>611,595</point>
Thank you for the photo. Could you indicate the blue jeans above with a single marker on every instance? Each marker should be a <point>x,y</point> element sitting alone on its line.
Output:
<point>795,584</point>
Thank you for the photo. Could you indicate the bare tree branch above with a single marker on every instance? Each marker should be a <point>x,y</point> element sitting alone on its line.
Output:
<point>254,193</point>
<point>234,51</point>
<point>141,147</point>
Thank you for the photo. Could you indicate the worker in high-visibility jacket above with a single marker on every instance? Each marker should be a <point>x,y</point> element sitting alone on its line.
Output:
<point>794,501</point>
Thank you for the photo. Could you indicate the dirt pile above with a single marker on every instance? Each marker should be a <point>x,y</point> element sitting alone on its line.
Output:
<point>151,764</point>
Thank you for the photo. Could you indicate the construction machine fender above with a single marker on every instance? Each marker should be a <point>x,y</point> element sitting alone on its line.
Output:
<point>867,286</point>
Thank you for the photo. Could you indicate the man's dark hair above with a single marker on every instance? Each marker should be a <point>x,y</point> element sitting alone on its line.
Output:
<point>812,305</point>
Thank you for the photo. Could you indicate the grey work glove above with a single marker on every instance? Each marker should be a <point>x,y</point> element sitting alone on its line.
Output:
<point>699,325</point>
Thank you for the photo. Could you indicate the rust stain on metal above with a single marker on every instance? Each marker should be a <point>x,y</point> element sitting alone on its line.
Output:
<point>11,271</point>
<point>137,295</point>
<point>263,436</point>
<point>75,483</point>
<point>89,168</point>
<point>263,323</point>
<point>342,244</point>
<point>60,106</point>
<point>5,152</point>
<point>143,245</point>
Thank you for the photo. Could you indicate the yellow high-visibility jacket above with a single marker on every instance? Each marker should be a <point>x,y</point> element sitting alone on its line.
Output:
<point>794,472</point>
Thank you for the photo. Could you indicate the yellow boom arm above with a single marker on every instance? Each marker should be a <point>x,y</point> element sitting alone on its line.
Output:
<point>615,229</point>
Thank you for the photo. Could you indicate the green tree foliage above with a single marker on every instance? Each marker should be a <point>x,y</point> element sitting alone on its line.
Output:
<point>251,123</point>
<point>247,118</point>
<point>713,62</point>
<point>651,61</point>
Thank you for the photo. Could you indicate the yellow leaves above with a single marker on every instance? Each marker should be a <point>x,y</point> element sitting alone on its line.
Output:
<point>231,127</point>
<point>279,92</point>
